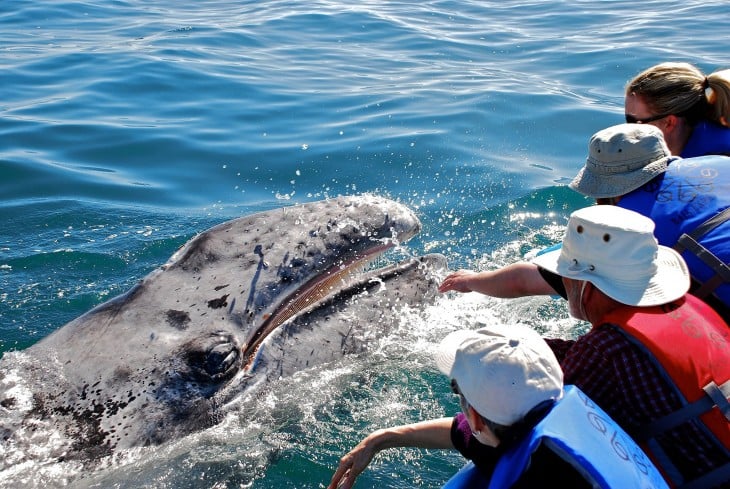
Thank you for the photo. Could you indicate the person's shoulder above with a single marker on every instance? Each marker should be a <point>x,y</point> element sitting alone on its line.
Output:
<point>606,337</point>
<point>707,138</point>
<point>711,128</point>
<point>700,168</point>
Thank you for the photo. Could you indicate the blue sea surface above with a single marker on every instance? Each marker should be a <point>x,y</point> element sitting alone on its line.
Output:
<point>129,126</point>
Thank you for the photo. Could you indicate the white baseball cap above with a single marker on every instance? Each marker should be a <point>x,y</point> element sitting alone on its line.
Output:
<point>502,371</point>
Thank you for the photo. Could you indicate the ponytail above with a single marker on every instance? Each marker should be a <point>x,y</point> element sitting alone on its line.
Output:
<point>717,93</point>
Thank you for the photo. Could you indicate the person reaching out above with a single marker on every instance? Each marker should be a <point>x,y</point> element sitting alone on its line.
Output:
<point>518,424</point>
<point>630,165</point>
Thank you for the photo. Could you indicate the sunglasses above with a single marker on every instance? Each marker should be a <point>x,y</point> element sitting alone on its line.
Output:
<point>630,119</point>
<point>464,404</point>
<point>455,387</point>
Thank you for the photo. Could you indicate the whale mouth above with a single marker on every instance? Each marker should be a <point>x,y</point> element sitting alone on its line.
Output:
<point>310,294</point>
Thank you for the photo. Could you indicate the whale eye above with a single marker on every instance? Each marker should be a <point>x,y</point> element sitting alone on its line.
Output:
<point>220,359</point>
<point>214,358</point>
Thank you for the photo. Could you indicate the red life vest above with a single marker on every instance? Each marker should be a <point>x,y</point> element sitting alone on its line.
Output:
<point>690,345</point>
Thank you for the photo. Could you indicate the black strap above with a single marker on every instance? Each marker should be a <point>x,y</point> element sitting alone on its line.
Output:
<point>647,434</point>
<point>711,479</point>
<point>717,395</point>
<point>691,242</point>
<point>671,472</point>
<point>711,224</point>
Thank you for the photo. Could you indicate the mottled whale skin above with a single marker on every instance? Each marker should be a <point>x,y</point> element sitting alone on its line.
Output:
<point>252,299</point>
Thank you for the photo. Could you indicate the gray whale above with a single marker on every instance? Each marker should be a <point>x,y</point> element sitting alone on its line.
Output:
<point>249,300</point>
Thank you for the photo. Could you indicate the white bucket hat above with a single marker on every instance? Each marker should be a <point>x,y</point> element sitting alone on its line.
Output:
<point>615,250</point>
<point>502,371</point>
<point>620,159</point>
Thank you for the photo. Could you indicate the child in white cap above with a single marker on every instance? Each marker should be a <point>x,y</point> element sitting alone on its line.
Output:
<point>508,381</point>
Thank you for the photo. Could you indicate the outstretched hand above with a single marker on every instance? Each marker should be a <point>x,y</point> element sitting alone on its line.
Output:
<point>432,433</point>
<point>458,281</point>
<point>351,465</point>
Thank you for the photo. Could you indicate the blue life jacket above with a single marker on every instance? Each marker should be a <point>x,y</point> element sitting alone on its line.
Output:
<point>582,434</point>
<point>707,138</point>
<point>690,204</point>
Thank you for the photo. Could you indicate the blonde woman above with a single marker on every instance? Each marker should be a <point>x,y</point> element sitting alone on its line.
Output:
<point>692,109</point>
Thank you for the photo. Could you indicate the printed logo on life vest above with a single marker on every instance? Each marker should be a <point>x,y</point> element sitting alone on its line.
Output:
<point>683,191</point>
<point>623,446</point>
<point>691,184</point>
<point>695,328</point>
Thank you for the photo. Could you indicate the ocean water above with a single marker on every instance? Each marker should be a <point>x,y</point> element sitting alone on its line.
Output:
<point>127,127</point>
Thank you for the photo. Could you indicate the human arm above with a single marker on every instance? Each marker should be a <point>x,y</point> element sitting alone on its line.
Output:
<point>434,433</point>
<point>516,280</point>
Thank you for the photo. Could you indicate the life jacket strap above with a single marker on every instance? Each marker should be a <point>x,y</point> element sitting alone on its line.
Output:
<point>717,395</point>
<point>710,479</point>
<point>671,472</point>
<point>691,243</point>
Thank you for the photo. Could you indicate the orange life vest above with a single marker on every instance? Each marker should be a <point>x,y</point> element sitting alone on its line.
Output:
<point>690,346</point>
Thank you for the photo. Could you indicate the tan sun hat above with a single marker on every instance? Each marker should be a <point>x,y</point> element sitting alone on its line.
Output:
<point>502,371</point>
<point>615,250</point>
<point>620,159</point>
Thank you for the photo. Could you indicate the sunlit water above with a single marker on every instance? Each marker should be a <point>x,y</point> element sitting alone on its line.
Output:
<point>129,126</point>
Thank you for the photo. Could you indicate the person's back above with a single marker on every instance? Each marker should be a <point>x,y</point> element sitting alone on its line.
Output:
<point>652,351</point>
<point>578,444</point>
<point>688,194</point>
<point>618,371</point>
<point>543,461</point>
<point>630,166</point>
<point>517,424</point>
